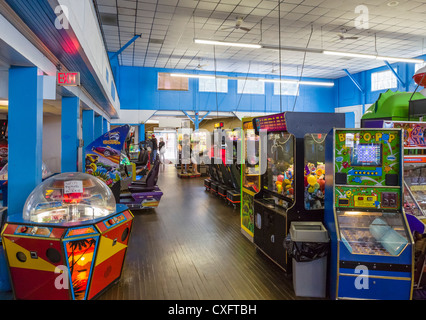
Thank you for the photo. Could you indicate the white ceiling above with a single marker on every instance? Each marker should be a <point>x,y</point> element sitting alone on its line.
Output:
<point>393,31</point>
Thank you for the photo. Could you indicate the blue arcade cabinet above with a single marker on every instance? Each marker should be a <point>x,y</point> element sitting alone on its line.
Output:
<point>371,253</point>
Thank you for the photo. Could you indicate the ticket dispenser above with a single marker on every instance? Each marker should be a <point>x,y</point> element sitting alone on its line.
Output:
<point>371,246</point>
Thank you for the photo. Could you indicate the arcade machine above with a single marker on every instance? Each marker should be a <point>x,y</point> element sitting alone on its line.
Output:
<point>70,242</point>
<point>405,110</point>
<point>103,160</point>
<point>291,179</point>
<point>233,196</point>
<point>250,177</point>
<point>134,151</point>
<point>103,156</point>
<point>371,244</point>
<point>224,159</point>
<point>217,157</point>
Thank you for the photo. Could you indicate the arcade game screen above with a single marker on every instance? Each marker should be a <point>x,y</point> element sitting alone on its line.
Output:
<point>367,155</point>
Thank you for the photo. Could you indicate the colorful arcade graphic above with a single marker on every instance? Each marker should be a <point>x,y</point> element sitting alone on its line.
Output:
<point>250,179</point>
<point>102,156</point>
<point>414,133</point>
<point>368,157</point>
<point>364,215</point>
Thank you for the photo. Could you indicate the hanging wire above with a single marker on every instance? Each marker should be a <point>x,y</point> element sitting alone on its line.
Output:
<point>215,80</point>
<point>279,53</point>
<point>303,66</point>
<point>375,44</point>
<point>244,86</point>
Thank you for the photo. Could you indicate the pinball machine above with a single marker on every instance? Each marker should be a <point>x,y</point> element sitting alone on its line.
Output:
<point>371,253</point>
<point>71,241</point>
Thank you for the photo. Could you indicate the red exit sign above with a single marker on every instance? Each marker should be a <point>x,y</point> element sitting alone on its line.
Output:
<point>68,78</point>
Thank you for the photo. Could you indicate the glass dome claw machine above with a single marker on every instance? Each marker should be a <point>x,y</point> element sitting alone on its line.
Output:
<point>71,241</point>
<point>371,253</point>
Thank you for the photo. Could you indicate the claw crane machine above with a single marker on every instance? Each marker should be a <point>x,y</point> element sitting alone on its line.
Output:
<point>288,178</point>
<point>371,243</point>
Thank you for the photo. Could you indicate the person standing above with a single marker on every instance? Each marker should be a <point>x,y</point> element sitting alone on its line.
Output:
<point>162,150</point>
<point>185,153</point>
<point>195,157</point>
<point>154,148</point>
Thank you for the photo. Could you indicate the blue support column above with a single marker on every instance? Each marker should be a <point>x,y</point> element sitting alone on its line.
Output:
<point>116,54</point>
<point>99,123</point>
<point>88,131</point>
<point>69,134</point>
<point>141,132</point>
<point>25,117</point>
<point>196,121</point>
<point>105,126</point>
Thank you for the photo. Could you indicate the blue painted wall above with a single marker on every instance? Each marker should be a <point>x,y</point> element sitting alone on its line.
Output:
<point>347,94</point>
<point>137,88</point>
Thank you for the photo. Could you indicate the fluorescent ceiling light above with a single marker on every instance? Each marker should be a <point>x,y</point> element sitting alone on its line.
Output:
<point>349,54</point>
<point>371,56</point>
<point>400,59</point>
<point>229,44</point>
<point>317,83</point>
<point>309,83</point>
<point>186,75</point>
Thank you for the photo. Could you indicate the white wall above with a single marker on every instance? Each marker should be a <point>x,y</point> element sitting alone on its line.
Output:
<point>357,110</point>
<point>4,85</point>
<point>84,22</point>
<point>52,143</point>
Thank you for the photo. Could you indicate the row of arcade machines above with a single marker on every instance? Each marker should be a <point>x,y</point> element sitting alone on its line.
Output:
<point>134,183</point>
<point>304,168</point>
<point>224,170</point>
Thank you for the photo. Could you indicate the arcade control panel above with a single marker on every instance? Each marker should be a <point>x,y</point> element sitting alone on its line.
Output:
<point>368,169</point>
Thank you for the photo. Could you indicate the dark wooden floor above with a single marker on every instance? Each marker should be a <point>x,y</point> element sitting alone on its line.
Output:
<point>191,248</point>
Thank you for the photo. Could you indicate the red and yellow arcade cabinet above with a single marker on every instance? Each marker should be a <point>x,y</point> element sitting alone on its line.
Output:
<point>71,241</point>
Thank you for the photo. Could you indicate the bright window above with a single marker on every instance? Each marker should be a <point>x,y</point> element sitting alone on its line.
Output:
<point>287,89</point>
<point>251,87</point>
<point>167,82</point>
<point>417,66</point>
<point>383,80</point>
<point>213,85</point>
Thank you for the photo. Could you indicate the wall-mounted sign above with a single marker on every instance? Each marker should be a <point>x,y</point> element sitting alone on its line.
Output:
<point>68,78</point>
<point>218,125</point>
